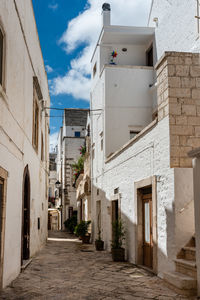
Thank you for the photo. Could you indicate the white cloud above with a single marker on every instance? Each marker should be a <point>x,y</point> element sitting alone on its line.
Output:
<point>53,6</point>
<point>48,69</point>
<point>84,30</point>
<point>74,83</point>
<point>53,141</point>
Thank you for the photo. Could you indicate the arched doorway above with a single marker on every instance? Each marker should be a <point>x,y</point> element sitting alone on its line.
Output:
<point>25,253</point>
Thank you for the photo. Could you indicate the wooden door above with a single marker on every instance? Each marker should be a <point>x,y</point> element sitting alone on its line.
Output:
<point>1,221</point>
<point>147,231</point>
<point>26,217</point>
<point>1,210</point>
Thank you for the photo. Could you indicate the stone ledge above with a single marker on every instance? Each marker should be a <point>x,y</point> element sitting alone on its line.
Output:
<point>174,54</point>
<point>133,140</point>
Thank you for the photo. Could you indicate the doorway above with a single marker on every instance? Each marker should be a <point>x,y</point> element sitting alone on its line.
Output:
<point>25,217</point>
<point>147,227</point>
<point>146,223</point>
<point>115,214</point>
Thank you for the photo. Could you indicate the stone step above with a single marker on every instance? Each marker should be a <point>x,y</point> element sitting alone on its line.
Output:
<point>189,253</point>
<point>181,283</point>
<point>187,267</point>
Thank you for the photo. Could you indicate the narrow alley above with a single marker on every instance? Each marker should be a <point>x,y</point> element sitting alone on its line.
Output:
<point>67,269</point>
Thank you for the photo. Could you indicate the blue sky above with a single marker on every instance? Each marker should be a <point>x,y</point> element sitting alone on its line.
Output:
<point>68,32</point>
<point>52,19</point>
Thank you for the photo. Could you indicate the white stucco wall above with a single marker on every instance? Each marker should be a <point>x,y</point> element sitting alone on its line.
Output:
<point>134,56</point>
<point>16,117</point>
<point>177,26</point>
<point>128,103</point>
<point>147,157</point>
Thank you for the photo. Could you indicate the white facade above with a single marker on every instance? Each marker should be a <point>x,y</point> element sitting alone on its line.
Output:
<point>71,138</point>
<point>123,99</point>
<point>22,60</point>
<point>177,28</point>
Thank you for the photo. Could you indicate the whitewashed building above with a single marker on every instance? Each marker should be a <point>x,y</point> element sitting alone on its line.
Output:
<point>83,183</point>
<point>24,128</point>
<point>144,120</point>
<point>71,138</point>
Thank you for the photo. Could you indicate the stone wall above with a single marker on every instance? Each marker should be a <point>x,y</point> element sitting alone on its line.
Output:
<point>178,78</point>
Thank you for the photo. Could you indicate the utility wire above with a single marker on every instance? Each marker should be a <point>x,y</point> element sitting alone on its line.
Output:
<point>63,109</point>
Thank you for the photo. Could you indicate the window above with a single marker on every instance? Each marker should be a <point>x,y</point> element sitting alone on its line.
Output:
<point>77,134</point>
<point>94,69</point>
<point>149,56</point>
<point>133,134</point>
<point>1,56</point>
<point>101,144</point>
<point>35,121</point>
<point>42,147</point>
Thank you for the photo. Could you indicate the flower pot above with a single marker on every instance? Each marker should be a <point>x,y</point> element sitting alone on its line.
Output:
<point>118,254</point>
<point>85,239</point>
<point>99,244</point>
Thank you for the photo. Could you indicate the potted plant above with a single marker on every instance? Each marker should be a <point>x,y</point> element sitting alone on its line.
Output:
<point>118,253</point>
<point>71,223</point>
<point>99,244</point>
<point>81,230</point>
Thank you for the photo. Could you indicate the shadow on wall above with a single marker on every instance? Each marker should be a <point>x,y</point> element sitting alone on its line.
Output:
<point>163,256</point>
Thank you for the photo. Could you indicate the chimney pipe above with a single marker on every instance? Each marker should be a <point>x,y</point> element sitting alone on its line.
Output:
<point>106,14</point>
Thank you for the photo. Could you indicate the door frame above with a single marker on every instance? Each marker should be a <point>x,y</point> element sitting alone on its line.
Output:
<point>3,176</point>
<point>150,181</point>
<point>26,173</point>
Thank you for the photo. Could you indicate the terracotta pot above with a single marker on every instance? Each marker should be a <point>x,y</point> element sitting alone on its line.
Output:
<point>118,254</point>
<point>85,239</point>
<point>99,244</point>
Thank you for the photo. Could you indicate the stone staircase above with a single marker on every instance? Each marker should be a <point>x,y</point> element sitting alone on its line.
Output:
<point>183,280</point>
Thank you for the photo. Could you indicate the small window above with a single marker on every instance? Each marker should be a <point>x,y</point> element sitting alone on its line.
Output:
<point>35,121</point>
<point>94,69</point>
<point>77,134</point>
<point>149,56</point>
<point>133,134</point>
<point>116,191</point>
<point>1,56</point>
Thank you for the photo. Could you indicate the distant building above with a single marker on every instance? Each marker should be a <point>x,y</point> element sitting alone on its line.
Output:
<point>71,138</point>
<point>83,183</point>
<point>52,179</point>
<point>24,139</point>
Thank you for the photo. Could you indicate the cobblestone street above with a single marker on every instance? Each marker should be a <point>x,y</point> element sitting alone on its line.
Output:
<point>65,269</point>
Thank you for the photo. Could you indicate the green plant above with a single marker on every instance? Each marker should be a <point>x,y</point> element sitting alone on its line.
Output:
<point>118,232</point>
<point>82,150</point>
<point>82,228</point>
<point>78,168</point>
<point>71,223</point>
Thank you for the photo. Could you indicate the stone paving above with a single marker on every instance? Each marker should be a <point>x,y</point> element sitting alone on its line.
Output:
<point>66,269</point>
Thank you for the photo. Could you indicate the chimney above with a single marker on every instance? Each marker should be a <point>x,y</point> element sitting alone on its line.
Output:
<point>106,14</point>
